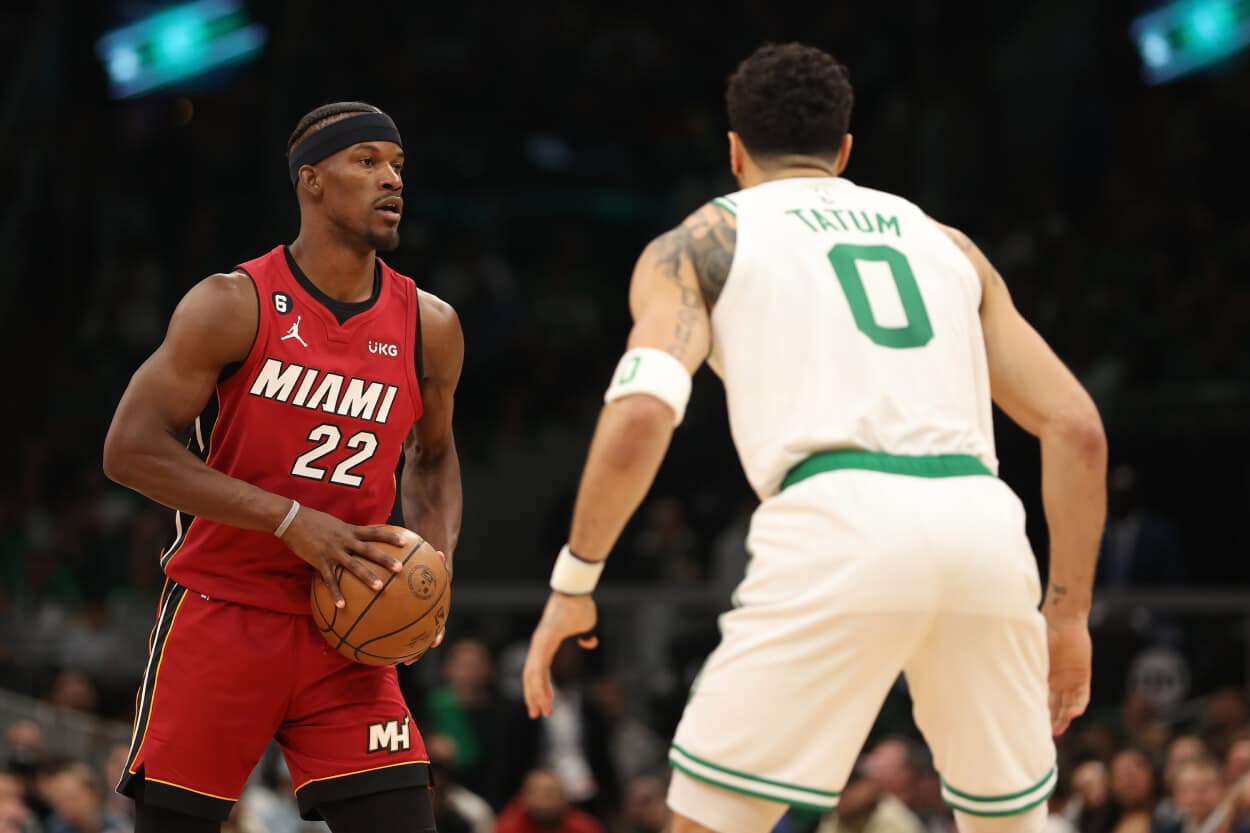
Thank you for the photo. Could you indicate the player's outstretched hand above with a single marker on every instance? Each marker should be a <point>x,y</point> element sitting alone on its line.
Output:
<point>564,616</point>
<point>325,542</point>
<point>1070,657</point>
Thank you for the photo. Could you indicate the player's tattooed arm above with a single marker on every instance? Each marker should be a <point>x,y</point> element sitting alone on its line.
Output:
<point>707,241</point>
<point>667,301</point>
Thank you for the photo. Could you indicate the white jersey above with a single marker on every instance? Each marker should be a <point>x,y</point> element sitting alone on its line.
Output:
<point>849,320</point>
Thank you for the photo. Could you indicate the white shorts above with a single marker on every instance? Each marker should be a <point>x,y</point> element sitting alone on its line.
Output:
<point>856,576</point>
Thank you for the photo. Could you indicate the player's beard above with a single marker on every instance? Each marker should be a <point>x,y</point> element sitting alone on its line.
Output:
<point>383,241</point>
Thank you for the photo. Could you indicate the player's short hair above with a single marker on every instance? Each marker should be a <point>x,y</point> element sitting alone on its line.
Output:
<point>790,99</point>
<point>316,119</point>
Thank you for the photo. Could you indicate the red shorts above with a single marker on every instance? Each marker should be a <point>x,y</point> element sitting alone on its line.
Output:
<point>223,679</point>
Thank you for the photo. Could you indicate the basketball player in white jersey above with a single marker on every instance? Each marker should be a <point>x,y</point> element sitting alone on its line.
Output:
<point>860,344</point>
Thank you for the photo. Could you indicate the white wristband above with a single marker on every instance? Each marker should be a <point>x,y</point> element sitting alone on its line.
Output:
<point>573,575</point>
<point>655,373</point>
<point>286,522</point>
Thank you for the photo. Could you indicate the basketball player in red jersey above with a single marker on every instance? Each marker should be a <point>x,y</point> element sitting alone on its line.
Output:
<point>324,363</point>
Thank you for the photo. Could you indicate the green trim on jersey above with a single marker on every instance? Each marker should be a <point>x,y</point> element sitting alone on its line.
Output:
<point>725,203</point>
<point>929,465</point>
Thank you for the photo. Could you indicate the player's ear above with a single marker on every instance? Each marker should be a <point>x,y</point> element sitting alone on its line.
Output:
<point>737,154</point>
<point>844,154</point>
<point>310,181</point>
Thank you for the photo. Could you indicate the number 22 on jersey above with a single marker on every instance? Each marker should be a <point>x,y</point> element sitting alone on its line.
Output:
<point>328,437</point>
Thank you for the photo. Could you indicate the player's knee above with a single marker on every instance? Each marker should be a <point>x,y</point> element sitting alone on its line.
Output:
<point>1032,821</point>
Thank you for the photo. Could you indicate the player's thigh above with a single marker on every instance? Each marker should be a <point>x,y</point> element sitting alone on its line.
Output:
<point>211,698</point>
<point>406,810</point>
<point>785,702</point>
<point>348,732</point>
<point>979,689</point>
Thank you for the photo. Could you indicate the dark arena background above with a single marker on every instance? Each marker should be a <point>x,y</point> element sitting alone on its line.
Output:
<point>1097,151</point>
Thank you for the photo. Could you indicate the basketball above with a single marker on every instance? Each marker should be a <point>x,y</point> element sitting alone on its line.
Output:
<point>396,623</point>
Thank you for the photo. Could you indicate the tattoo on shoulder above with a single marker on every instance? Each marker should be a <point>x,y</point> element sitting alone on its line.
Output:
<point>707,238</point>
<point>711,237</point>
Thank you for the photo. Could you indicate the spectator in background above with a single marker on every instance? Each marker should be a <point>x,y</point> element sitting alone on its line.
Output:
<point>1132,787</point>
<point>543,807</point>
<point>636,749</point>
<point>27,754</point>
<point>1182,750</point>
<point>76,795</point>
<point>894,763</point>
<point>866,806</point>
<point>1196,792</point>
<point>116,804</point>
<point>1140,548</point>
<point>16,817</point>
<point>456,808</point>
<point>1225,715</point>
<point>574,742</point>
<point>645,810</point>
<point>1090,809</point>
<point>1237,759</point>
<point>73,690</point>
<point>464,711</point>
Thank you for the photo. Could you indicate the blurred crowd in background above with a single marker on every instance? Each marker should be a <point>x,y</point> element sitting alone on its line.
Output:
<point>545,148</point>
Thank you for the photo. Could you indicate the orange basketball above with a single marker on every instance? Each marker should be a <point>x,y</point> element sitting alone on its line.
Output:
<point>396,623</point>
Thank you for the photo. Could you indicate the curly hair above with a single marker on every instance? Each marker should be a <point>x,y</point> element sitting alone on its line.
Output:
<point>326,114</point>
<point>790,99</point>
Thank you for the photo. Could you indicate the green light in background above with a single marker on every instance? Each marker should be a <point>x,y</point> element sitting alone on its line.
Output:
<point>177,44</point>
<point>1186,36</point>
<point>1211,24</point>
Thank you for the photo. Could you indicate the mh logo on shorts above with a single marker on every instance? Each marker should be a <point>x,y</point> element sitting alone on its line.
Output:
<point>392,735</point>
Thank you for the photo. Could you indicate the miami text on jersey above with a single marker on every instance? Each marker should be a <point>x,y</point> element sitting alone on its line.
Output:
<point>317,390</point>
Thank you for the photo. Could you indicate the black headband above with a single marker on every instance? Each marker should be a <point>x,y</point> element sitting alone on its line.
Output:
<point>341,134</point>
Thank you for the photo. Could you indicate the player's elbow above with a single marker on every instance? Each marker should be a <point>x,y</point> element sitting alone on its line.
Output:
<point>646,414</point>
<point>1081,429</point>
<point>119,457</point>
<point>641,422</point>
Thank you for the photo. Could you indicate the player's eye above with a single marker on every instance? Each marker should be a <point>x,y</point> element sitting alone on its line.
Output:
<point>398,167</point>
<point>367,161</point>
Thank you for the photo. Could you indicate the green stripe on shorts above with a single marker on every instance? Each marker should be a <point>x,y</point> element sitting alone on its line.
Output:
<point>753,785</point>
<point>1008,804</point>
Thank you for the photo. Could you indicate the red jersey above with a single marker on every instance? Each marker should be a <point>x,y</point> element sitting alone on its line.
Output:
<point>317,412</point>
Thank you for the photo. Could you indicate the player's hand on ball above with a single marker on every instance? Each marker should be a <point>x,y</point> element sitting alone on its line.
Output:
<point>442,632</point>
<point>325,542</point>
<point>1070,657</point>
<point>564,616</point>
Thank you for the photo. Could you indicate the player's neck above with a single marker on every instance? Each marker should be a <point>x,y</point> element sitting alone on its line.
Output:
<point>341,272</point>
<point>796,172</point>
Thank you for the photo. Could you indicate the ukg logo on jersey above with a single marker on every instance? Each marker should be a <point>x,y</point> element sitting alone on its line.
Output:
<point>379,348</point>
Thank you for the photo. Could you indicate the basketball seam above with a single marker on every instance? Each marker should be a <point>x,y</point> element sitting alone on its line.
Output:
<point>380,591</point>
<point>432,608</point>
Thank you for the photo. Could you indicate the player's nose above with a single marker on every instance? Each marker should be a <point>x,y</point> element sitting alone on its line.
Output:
<point>392,180</point>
